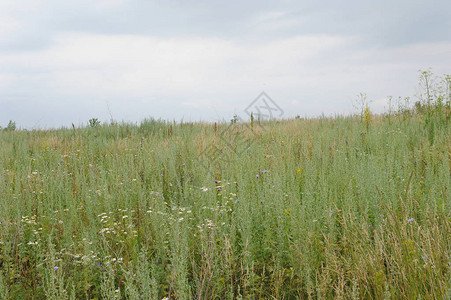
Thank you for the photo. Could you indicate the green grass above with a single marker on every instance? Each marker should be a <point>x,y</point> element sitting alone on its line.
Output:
<point>308,208</point>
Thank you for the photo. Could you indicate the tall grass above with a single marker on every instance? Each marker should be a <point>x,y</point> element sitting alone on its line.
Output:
<point>307,208</point>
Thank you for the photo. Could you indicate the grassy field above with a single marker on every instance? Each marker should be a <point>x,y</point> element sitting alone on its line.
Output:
<point>344,208</point>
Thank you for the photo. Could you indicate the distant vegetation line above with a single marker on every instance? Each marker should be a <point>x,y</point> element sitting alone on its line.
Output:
<point>434,93</point>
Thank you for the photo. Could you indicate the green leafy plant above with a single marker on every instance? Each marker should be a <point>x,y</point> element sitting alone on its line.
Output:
<point>94,122</point>
<point>11,126</point>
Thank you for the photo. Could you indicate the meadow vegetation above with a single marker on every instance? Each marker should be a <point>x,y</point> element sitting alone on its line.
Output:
<point>350,207</point>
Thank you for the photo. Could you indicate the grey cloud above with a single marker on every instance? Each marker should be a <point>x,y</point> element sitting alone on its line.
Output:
<point>27,40</point>
<point>383,23</point>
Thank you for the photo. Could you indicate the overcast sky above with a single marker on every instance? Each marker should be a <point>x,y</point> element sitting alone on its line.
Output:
<point>64,62</point>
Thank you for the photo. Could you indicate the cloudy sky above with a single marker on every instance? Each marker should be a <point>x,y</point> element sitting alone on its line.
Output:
<point>64,62</point>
